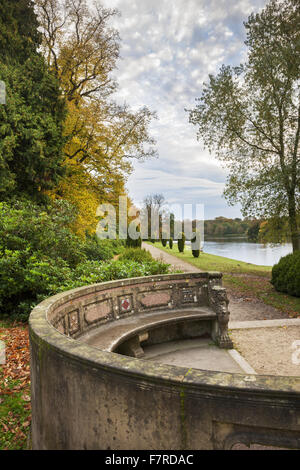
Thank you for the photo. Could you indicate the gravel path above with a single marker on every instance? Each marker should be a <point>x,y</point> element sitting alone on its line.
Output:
<point>170,259</point>
<point>241,308</point>
<point>270,351</point>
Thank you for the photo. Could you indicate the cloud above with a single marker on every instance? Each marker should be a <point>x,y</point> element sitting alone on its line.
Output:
<point>168,49</point>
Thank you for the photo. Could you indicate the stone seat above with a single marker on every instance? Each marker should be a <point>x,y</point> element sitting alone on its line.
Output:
<point>126,335</point>
<point>88,398</point>
<point>118,316</point>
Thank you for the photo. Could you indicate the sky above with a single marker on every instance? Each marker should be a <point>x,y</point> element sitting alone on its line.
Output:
<point>168,49</point>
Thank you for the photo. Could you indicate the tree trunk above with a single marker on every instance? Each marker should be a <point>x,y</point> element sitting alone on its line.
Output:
<point>295,232</point>
<point>296,241</point>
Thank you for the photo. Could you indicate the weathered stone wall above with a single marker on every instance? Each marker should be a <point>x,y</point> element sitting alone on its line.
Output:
<point>90,307</point>
<point>85,398</point>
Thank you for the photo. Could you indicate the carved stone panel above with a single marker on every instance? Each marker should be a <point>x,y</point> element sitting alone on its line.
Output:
<point>73,321</point>
<point>159,298</point>
<point>60,325</point>
<point>189,295</point>
<point>96,311</point>
<point>125,304</point>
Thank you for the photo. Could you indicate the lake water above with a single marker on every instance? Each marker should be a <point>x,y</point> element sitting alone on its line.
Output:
<point>242,250</point>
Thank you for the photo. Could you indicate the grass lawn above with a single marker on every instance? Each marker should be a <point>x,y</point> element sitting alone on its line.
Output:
<point>15,408</point>
<point>243,279</point>
<point>207,262</point>
<point>260,288</point>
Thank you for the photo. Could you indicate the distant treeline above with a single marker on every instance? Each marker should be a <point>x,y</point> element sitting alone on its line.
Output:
<point>223,227</point>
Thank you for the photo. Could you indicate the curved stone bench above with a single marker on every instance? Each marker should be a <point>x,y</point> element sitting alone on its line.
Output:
<point>125,336</point>
<point>86,395</point>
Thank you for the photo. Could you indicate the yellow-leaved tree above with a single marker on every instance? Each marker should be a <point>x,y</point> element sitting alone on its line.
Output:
<point>102,136</point>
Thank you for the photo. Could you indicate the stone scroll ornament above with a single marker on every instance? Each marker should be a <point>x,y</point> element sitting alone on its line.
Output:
<point>219,303</point>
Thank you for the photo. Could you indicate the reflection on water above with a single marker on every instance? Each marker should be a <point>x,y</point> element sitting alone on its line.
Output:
<point>242,250</point>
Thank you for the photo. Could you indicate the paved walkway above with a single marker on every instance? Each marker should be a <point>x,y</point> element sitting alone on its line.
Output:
<point>170,259</point>
<point>198,353</point>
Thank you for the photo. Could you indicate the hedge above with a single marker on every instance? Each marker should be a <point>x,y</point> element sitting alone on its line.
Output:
<point>286,274</point>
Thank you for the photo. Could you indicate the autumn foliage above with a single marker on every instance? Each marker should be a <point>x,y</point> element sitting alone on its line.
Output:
<point>15,405</point>
<point>102,136</point>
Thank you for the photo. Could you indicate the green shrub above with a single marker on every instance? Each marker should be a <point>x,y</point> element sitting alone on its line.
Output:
<point>181,242</point>
<point>118,245</point>
<point>39,256</point>
<point>37,253</point>
<point>171,243</point>
<point>164,239</point>
<point>25,226</point>
<point>156,267</point>
<point>286,274</point>
<point>92,272</point>
<point>136,254</point>
<point>101,250</point>
<point>27,279</point>
<point>164,242</point>
<point>134,243</point>
<point>23,285</point>
<point>195,244</point>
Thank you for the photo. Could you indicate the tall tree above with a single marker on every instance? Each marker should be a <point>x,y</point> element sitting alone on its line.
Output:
<point>153,212</point>
<point>250,116</point>
<point>19,35</point>
<point>31,139</point>
<point>102,136</point>
<point>82,50</point>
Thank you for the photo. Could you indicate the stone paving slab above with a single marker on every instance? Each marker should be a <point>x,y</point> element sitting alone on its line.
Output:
<point>270,351</point>
<point>237,325</point>
<point>198,353</point>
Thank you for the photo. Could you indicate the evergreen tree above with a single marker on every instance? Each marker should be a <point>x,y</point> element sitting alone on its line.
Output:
<point>31,121</point>
<point>181,242</point>
<point>19,35</point>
